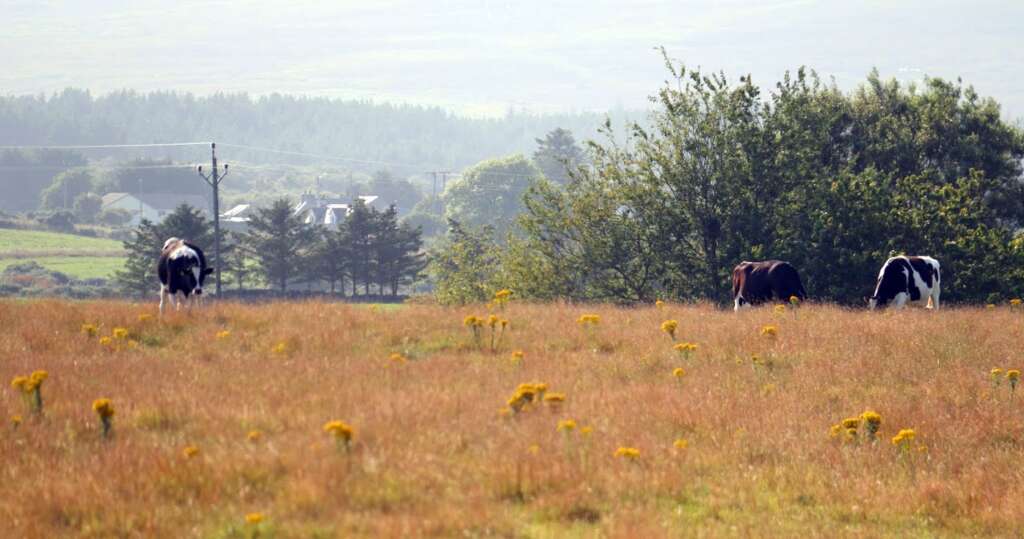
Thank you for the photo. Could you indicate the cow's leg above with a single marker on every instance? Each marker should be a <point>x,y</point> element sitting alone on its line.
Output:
<point>178,300</point>
<point>900,300</point>
<point>163,297</point>
<point>935,296</point>
<point>736,303</point>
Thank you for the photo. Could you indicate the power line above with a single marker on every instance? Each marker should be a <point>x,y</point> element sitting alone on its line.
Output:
<point>109,167</point>
<point>102,146</point>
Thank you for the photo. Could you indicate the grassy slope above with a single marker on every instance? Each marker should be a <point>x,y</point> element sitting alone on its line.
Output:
<point>434,457</point>
<point>80,257</point>
<point>53,243</point>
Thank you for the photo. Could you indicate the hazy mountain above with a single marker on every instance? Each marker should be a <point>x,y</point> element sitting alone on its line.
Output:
<point>482,57</point>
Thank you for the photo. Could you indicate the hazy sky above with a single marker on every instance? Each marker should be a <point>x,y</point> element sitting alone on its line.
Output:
<point>483,56</point>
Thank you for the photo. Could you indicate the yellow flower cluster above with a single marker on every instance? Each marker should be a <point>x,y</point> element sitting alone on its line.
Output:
<point>780,309</point>
<point>253,518</point>
<point>106,341</point>
<point>589,319</point>
<point>472,321</point>
<point>554,399</point>
<point>103,408</point>
<point>659,304</point>
<point>120,333</point>
<point>678,372</point>
<point>502,296</point>
<point>340,430</point>
<point>1016,302</point>
<point>904,437</point>
<point>223,334</point>
<point>190,451</point>
<point>670,326</point>
<point>770,331</point>
<point>397,359</point>
<point>680,444</point>
<point>1012,376</point>
<point>685,347</point>
<point>30,383</point>
<point>90,330</point>
<point>871,420</point>
<point>517,356</point>
<point>566,425</point>
<point>525,394</point>
<point>145,317</point>
<point>254,436</point>
<point>628,453</point>
<point>794,301</point>
<point>281,348</point>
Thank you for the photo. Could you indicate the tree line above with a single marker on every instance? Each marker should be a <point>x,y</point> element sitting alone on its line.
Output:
<point>724,171</point>
<point>369,253</point>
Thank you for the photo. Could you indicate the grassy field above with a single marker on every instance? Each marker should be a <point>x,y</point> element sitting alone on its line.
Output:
<point>79,267</point>
<point>80,257</point>
<point>220,414</point>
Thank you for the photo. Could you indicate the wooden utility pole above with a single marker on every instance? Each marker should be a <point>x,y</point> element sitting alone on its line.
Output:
<point>214,181</point>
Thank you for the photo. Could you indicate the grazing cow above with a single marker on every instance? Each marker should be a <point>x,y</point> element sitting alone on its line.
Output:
<point>756,282</point>
<point>904,279</point>
<point>182,269</point>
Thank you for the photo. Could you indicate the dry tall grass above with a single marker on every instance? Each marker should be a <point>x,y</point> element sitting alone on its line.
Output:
<point>434,455</point>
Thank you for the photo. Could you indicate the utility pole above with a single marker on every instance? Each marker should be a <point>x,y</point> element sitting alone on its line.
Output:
<point>214,181</point>
<point>444,182</point>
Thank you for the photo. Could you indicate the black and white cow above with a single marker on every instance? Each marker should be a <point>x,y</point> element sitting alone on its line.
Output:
<point>907,279</point>
<point>182,269</point>
<point>756,282</point>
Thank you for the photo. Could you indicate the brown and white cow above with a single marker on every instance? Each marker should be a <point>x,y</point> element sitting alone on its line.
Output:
<point>757,282</point>
<point>182,269</point>
<point>907,279</point>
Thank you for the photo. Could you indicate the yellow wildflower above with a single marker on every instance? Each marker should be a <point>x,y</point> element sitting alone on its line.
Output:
<point>20,383</point>
<point>280,348</point>
<point>678,372</point>
<point>253,518</point>
<point>103,408</point>
<point>106,341</point>
<point>835,430</point>
<point>397,358</point>
<point>340,430</point>
<point>794,301</point>
<point>589,319</point>
<point>504,323</point>
<point>871,418</point>
<point>145,317</point>
<point>990,306</point>
<point>680,444</point>
<point>904,436</point>
<point>16,420</point>
<point>770,331</point>
<point>502,294</point>
<point>120,333</point>
<point>492,321</point>
<point>533,449</point>
<point>851,423</point>
<point>223,334</point>
<point>1013,375</point>
<point>659,304</point>
<point>469,321</point>
<point>780,309</point>
<point>995,374</point>
<point>566,425</point>
<point>629,453</point>
<point>254,436</point>
<point>517,356</point>
<point>190,451</point>
<point>554,398</point>
<point>685,347</point>
<point>585,431</point>
<point>90,329</point>
<point>669,326</point>
<point>1015,302</point>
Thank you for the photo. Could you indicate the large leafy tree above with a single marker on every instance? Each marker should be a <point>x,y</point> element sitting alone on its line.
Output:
<point>490,193</point>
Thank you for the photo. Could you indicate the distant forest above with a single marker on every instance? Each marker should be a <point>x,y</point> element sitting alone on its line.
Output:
<point>424,137</point>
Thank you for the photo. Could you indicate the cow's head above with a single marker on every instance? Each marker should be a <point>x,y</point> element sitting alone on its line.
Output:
<point>200,279</point>
<point>740,303</point>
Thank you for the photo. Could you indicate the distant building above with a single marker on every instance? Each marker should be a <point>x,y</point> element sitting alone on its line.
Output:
<point>152,206</point>
<point>237,218</point>
<point>327,211</point>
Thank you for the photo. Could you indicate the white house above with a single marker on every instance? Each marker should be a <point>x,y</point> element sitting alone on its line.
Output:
<point>327,211</point>
<point>152,206</point>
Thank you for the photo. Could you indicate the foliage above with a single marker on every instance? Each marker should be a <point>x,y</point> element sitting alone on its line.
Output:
<point>65,188</point>
<point>834,183</point>
<point>557,154</point>
<point>465,266</point>
<point>490,193</point>
<point>277,239</point>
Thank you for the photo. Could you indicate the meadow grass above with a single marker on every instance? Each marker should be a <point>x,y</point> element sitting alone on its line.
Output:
<point>437,453</point>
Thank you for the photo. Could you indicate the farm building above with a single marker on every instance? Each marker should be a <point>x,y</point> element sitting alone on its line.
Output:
<point>152,206</point>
